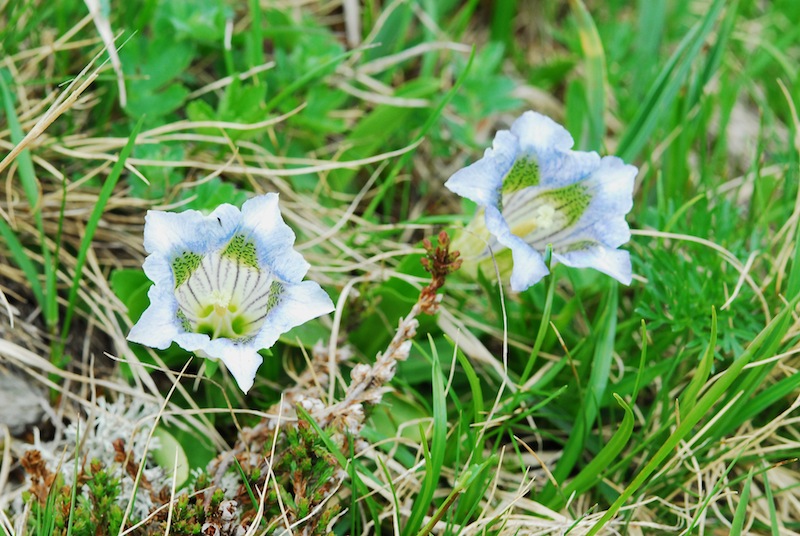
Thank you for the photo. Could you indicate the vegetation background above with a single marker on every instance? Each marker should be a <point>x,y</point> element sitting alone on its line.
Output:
<point>578,406</point>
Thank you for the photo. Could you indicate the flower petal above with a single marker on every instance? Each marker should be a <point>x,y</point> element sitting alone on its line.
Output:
<point>613,262</point>
<point>158,326</point>
<point>194,342</point>
<point>159,270</point>
<point>241,360</point>
<point>556,215</point>
<point>529,267</point>
<point>297,304</point>
<point>551,144</point>
<point>262,222</point>
<point>481,181</point>
<point>538,133</point>
<point>170,233</point>
<point>611,189</point>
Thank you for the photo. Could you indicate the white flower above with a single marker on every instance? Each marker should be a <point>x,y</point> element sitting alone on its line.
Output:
<point>226,285</point>
<point>534,190</point>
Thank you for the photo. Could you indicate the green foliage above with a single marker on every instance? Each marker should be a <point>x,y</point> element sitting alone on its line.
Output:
<point>661,84</point>
<point>161,180</point>
<point>487,91</point>
<point>152,69</point>
<point>97,512</point>
<point>240,103</point>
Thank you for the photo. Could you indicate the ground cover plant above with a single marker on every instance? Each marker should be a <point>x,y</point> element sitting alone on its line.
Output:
<point>426,358</point>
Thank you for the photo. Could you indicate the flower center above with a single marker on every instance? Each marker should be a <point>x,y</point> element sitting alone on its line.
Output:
<point>224,297</point>
<point>542,217</point>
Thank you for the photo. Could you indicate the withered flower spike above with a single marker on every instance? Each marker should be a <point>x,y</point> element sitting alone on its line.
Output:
<point>439,262</point>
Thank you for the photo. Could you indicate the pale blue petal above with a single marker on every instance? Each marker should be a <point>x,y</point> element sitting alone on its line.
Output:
<point>168,234</point>
<point>172,233</point>
<point>228,218</point>
<point>262,222</point>
<point>159,270</point>
<point>613,262</point>
<point>538,133</point>
<point>298,304</point>
<point>158,326</point>
<point>193,342</point>
<point>551,144</point>
<point>611,232</point>
<point>481,181</point>
<point>529,267</point>
<point>241,360</point>
<point>611,188</point>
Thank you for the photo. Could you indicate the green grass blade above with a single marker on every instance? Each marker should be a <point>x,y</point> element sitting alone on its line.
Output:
<point>19,255</point>
<point>774,526</point>
<point>355,476</point>
<point>725,481</point>
<point>592,473</point>
<point>598,381</point>
<point>651,23</point>
<point>74,491</point>
<point>246,483</point>
<point>504,13</point>
<point>91,227</point>
<point>689,396</point>
<point>435,458</point>
<point>666,87</point>
<point>716,52</point>
<point>27,176</point>
<point>595,73</point>
<point>388,476</point>
<point>770,395</point>
<point>737,525</point>
<point>255,38</point>
<point>642,364</point>
<point>544,325</point>
<point>464,480</point>
<point>312,74</point>
<point>749,384</point>
<point>793,279</point>
<point>775,329</point>
<point>474,385</point>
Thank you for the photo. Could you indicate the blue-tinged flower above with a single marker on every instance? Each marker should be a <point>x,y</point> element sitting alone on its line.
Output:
<point>226,285</point>
<point>532,190</point>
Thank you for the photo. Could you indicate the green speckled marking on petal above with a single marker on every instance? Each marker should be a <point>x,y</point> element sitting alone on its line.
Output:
<point>184,265</point>
<point>275,291</point>
<point>242,250</point>
<point>579,246</point>
<point>570,201</point>
<point>185,324</point>
<point>523,174</point>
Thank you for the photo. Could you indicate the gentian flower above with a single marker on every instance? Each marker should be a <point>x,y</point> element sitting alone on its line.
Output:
<point>532,190</point>
<point>226,285</point>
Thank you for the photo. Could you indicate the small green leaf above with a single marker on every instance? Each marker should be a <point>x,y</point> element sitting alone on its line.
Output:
<point>164,455</point>
<point>131,287</point>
